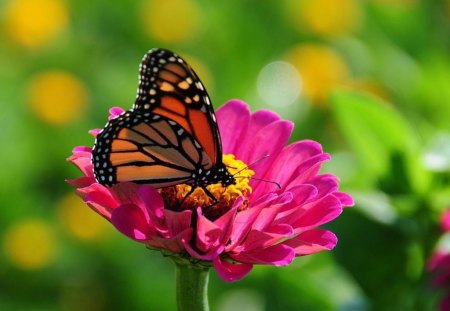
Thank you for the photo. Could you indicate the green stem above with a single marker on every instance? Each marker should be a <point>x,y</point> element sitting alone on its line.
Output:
<point>192,288</point>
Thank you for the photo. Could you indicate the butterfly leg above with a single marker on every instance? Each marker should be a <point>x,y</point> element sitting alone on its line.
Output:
<point>209,194</point>
<point>186,196</point>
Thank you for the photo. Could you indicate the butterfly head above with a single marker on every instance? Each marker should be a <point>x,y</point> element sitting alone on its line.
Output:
<point>215,190</point>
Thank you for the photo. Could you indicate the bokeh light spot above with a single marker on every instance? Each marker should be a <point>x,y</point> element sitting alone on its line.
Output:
<point>79,220</point>
<point>437,153</point>
<point>321,69</point>
<point>57,97</point>
<point>279,84</point>
<point>33,23</point>
<point>171,20</point>
<point>30,244</point>
<point>325,17</point>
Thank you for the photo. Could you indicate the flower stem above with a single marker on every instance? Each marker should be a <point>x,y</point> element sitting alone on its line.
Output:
<point>192,288</point>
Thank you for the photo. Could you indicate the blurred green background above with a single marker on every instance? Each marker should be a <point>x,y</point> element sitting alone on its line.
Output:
<point>369,80</point>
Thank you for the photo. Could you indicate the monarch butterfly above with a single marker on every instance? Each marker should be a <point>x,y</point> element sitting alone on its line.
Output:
<point>169,137</point>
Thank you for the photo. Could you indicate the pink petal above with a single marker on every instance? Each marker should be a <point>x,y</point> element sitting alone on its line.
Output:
<point>265,199</point>
<point>308,169</point>
<point>325,184</point>
<point>244,221</point>
<point>177,221</point>
<point>94,132</point>
<point>152,199</point>
<point>133,222</point>
<point>276,255</point>
<point>225,222</point>
<point>303,193</point>
<point>231,272</point>
<point>316,214</point>
<point>262,239</point>
<point>174,244</point>
<point>126,192</point>
<point>300,195</point>
<point>346,200</point>
<point>445,303</point>
<point>439,259</point>
<point>82,159</point>
<point>81,149</point>
<point>285,167</point>
<point>115,112</point>
<point>211,237</point>
<point>442,278</point>
<point>233,119</point>
<point>262,118</point>
<point>275,136</point>
<point>99,198</point>
<point>207,233</point>
<point>268,214</point>
<point>280,230</point>
<point>81,182</point>
<point>258,121</point>
<point>312,241</point>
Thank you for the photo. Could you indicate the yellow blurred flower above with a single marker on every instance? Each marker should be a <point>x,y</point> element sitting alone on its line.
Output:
<point>171,20</point>
<point>30,244</point>
<point>325,17</point>
<point>447,9</point>
<point>321,69</point>
<point>57,97</point>
<point>396,2</point>
<point>33,23</point>
<point>370,86</point>
<point>79,220</point>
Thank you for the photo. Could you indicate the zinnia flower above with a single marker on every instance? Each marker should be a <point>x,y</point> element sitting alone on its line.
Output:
<point>254,221</point>
<point>439,264</point>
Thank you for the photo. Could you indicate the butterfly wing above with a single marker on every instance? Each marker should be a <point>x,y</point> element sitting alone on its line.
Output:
<point>146,148</point>
<point>169,87</point>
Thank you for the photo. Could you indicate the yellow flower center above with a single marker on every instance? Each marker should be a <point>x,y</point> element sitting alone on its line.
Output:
<point>225,196</point>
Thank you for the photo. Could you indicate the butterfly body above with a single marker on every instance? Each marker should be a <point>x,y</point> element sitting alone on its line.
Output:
<point>169,137</point>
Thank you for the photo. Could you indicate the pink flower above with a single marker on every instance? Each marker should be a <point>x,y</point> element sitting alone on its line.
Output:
<point>439,265</point>
<point>445,221</point>
<point>255,224</point>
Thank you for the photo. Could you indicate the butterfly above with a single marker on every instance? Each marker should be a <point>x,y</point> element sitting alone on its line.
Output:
<point>170,135</point>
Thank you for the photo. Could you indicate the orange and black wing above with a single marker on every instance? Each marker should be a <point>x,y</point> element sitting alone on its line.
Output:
<point>169,87</point>
<point>146,148</point>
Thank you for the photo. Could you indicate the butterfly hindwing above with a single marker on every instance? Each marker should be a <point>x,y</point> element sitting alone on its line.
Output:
<point>146,148</point>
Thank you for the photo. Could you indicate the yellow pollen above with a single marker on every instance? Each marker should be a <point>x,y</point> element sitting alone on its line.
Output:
<point>225,195</point>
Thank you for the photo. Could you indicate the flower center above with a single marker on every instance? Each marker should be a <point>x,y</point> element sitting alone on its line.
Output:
<point>225,196</point>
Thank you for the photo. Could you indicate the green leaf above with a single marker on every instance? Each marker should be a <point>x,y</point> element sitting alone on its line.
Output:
<point>376,132</point>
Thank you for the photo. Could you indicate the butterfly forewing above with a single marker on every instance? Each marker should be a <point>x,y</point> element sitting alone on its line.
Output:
<point>169,87</point>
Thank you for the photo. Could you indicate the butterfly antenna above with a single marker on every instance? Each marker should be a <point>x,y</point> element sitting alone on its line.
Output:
<point>261,179</point>
<point>253,163</point>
